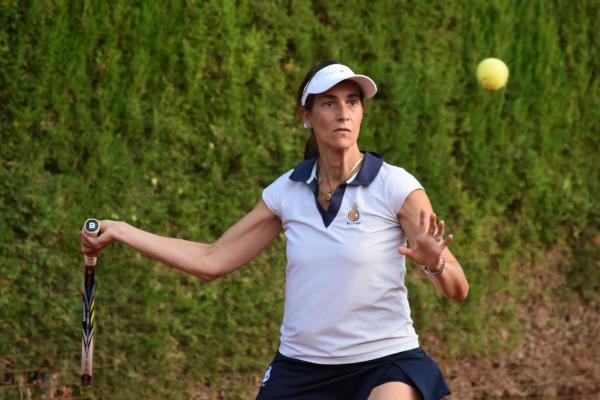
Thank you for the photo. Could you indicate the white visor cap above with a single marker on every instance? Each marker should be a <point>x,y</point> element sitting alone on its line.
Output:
<point>333,74</point>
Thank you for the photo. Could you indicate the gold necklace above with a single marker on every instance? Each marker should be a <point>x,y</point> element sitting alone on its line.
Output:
<point>328,195</point>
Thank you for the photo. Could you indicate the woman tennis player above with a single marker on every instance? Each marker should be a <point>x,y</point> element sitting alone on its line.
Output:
<point>348,216</point>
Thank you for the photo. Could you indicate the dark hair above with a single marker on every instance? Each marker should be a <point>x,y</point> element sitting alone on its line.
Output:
<point>311,149</point>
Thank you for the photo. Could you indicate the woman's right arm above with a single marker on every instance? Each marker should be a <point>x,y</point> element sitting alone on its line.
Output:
<point>238,245</point>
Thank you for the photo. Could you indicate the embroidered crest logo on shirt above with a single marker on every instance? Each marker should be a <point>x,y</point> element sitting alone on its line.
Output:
<point>353,215</point>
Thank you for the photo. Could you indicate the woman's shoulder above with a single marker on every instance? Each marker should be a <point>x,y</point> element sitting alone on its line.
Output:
<point>398,179</point>
<point>273,194</point>
<point>391,172</point>
<point>397,183</point>
<point>282,179</point>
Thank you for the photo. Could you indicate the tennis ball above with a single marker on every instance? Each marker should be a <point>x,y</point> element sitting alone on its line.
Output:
<point>492,73</point>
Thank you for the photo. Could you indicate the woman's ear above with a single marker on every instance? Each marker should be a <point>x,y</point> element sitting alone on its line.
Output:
<point>304,114</point>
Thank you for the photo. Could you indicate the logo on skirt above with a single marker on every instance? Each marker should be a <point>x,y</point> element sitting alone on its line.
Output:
<point>267,376</point>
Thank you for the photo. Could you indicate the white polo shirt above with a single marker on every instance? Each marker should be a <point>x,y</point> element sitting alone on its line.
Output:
<point>345,298</point>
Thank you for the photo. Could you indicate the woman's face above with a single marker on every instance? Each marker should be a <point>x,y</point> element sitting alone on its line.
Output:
<point>336,116</point>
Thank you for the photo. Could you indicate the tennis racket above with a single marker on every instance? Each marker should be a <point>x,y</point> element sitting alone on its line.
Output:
<point>91,226</point>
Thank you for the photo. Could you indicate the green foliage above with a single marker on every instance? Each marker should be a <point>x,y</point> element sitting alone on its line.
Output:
<point>174,115</point>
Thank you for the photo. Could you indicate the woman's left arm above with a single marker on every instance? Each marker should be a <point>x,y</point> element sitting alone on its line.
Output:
<point>429,248</point>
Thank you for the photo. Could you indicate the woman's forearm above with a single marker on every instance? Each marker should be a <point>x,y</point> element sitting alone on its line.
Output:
<point>182,254</point>
<point>452,282</point>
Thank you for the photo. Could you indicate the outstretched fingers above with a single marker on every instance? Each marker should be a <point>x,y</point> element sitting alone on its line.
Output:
<point>440,228</point>
<point>448,240</point>
<point>432,224</point>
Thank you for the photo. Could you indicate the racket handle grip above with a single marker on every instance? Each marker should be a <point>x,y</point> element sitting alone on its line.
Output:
<point>92,227</point>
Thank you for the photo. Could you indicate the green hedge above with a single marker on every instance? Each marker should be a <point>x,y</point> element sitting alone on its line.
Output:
<point>174,115</point>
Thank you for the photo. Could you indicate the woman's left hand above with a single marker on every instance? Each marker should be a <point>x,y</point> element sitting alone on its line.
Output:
<point>429,243</point>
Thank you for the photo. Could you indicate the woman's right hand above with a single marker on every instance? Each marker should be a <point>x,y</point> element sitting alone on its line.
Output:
<point>91,245</point>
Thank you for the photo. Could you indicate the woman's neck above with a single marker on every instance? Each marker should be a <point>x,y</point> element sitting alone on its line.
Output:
<point>335,167</point>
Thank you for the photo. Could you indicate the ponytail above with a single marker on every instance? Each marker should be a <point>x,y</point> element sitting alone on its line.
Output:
<point>311,150</point>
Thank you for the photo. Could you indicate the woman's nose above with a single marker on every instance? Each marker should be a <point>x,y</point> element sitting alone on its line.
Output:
<point>344,112</point>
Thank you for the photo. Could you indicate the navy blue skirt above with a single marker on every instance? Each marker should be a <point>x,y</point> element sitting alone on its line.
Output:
<point>291,379</point>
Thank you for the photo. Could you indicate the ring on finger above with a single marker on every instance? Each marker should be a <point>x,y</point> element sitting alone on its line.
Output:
<point>438,238</point>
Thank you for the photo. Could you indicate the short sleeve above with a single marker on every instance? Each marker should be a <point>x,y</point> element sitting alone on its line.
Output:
<point>399,185</point>
<point>272,194</point>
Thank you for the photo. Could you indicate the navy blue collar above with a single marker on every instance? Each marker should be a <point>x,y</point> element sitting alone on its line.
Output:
<point>305,171</point>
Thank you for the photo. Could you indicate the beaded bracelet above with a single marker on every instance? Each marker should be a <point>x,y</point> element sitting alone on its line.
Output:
<point>438,271</point>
